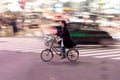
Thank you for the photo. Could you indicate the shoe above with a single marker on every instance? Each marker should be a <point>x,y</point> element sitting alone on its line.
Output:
<point>63,57</point>
<point>60,54</point>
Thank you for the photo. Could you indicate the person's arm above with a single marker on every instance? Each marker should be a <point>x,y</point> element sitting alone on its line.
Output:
<point>59,33</point>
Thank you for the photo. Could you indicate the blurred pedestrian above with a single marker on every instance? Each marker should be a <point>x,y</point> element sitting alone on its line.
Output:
<point>19,23</point>
<point>0,22</point>
<point>13,23</point>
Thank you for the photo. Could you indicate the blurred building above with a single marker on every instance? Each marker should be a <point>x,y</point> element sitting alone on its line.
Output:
<point>98,6</point>
<point>10,5</point>
<point>105,6</point>
<point>76,5</point>
<point>113,7</point>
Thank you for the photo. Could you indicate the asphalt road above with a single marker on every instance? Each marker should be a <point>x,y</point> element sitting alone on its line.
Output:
<point>20,60</point>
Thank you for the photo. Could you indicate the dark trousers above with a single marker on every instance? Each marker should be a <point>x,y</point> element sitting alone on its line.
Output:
<point>62,48</point>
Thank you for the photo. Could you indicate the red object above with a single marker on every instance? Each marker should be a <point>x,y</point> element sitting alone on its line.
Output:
<point>22,3</point>
<point>85,19</point>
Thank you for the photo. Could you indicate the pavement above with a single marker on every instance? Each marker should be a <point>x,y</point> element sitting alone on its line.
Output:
<point>20,60</point>
<point>28,66</point>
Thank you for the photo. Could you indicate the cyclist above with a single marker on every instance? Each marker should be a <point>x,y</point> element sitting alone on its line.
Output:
<point>65,40</point>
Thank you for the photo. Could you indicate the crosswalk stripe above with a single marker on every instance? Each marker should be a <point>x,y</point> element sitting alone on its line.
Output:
<point>22,44</point>
<point>91,51</point>
<point>100,53</point>
<point>116,58</point>
<point>96,54</point>
<point>107,56</point>
<point>37,45</point>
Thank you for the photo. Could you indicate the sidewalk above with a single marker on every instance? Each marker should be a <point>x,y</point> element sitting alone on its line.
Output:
<point>36,32</point>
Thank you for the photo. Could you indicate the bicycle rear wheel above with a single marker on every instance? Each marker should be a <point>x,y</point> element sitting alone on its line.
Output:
<point>72,55</point>
<point>46,55</point>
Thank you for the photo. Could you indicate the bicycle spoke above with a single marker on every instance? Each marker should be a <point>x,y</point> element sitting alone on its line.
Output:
<point>46,55</point>
<point>72,55</point>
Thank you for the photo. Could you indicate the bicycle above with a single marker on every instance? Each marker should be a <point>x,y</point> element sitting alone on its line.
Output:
<point>47,54</point>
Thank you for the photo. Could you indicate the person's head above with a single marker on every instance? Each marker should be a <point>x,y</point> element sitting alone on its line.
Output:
<point>63,23</point>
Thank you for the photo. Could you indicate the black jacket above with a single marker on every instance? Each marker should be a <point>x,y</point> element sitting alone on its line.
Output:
<point>67,41</point>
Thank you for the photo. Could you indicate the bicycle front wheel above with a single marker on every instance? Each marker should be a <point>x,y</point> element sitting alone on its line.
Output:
<point>46,55</point>
<point>72,55</point>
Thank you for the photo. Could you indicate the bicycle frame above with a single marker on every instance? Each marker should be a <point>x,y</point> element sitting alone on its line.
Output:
<point>52,47</point>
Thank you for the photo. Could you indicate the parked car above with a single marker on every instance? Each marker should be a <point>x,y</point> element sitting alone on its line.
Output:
<point>83,33</point>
